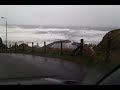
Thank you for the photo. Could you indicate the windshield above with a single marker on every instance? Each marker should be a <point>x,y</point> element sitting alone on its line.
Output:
<point>69,44</point>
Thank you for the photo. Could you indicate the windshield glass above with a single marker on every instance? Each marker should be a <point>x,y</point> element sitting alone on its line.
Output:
<point>69,44</point>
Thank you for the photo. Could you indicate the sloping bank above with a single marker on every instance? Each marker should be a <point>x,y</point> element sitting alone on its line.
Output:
<point>114,46</point>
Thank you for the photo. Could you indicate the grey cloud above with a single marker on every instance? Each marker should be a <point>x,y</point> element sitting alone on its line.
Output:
<point>76,15</point>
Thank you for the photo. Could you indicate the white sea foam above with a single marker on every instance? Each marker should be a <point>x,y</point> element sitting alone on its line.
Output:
<point>39,35</point>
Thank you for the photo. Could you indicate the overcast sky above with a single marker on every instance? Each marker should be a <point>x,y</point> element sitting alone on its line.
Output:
<point>67,15</point>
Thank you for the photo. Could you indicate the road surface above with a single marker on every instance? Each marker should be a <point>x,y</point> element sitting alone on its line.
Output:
<point>21,65</point>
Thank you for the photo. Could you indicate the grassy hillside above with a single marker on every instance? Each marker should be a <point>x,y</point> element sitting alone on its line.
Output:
<point>115,40</point>
<point>114,36</point>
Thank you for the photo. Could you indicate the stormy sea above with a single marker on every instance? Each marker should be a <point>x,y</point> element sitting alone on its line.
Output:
<point>39,34</point>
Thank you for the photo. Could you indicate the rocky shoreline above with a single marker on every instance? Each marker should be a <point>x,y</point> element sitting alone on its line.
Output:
<point>67,44</point>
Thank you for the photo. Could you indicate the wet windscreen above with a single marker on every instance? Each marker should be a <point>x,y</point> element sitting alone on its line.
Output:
<point>67,44</point>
